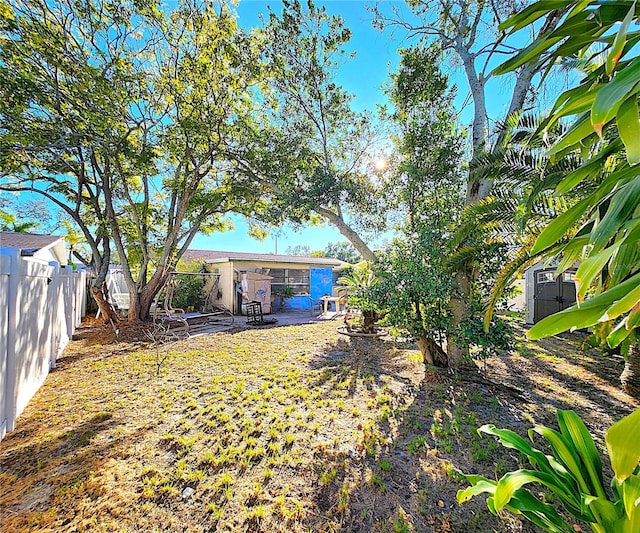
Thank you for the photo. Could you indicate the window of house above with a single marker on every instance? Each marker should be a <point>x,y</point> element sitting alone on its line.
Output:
<point>297,279</point>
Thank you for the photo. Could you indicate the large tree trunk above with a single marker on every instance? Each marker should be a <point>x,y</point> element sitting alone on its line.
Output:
<point>106,310</point>
<point>150,290</point>
<point>460,302</point>
<point>431,352</point>
<point>630,376</point>
<point>134,314</point>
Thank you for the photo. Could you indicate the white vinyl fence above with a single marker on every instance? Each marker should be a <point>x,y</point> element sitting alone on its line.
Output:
<point>40,306</point>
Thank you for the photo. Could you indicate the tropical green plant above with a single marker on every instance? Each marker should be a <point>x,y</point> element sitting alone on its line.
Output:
<point>573,473</point>
<point>361,285</point>
<point>513,216</point>
<point>606,133</point>
<point>286,292</point>
<point>466,31</point>
<point>189,292</point>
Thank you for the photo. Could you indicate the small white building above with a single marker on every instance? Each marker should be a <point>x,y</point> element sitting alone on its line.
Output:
<point>42,248</point>
<point>309,278</point>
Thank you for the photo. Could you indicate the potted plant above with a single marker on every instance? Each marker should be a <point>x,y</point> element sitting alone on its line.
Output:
<point>280,297</point>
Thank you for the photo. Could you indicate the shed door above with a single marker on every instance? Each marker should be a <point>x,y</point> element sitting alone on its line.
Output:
<point>552,294</point>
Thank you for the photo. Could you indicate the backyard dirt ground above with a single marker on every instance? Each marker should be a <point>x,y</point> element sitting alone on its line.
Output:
<point>293,428</point>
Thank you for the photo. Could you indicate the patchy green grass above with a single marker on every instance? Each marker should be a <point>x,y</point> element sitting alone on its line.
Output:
<point>283,429</point>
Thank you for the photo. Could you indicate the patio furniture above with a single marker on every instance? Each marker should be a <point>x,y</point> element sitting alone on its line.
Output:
<point>213,314</point>
<point>336,300</point>
<point>255,317</point>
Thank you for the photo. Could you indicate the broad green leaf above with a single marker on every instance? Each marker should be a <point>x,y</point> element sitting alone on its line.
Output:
<point>631,497</point>
<point>618,334</point>
<point>579,101</point>
<point>626,259</point>
<point>570,256</point>
<point>581,128</point>
<point>579,43</point>
<point>582,23</point>
<point>479,485</point>
<point>572,426</point>
<point>591,267</point>
<point>612,12</point>
<point>609,518</point>
<point>588,314</point>
<point>555,230</point>
<point>491,506</point>
<point>611,96</point>
<point>512,481</point>
<point>622,440</point>
<point>542,514</point>
<point>571,318</point>
<point>629,128</point>
<point>532,13</point>
<point>624,304</point>
<point>564,452</point>
<point>633,320</point>
<point>620,40</point>
<point>568,96</point>
<point>510,439</point>
<point>532,52</point>
<point>624,202</point>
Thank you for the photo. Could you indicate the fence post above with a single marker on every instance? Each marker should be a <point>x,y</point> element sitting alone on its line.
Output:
<point>12,363</point>
<point>5,279</point>
<point>53,297</point>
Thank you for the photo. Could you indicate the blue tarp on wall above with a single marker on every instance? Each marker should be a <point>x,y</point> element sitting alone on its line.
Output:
<point>320,283</point>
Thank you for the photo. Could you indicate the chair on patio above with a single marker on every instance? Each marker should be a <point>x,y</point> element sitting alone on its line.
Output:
<point>255,317</point>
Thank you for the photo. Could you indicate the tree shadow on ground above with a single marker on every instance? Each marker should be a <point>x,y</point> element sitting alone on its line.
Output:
<point>353,361</point>
<point>55,465</point>
<point>554,374</point>
<point>406,470</point>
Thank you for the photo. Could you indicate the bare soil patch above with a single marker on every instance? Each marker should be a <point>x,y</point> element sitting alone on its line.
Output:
<point>292,428</point>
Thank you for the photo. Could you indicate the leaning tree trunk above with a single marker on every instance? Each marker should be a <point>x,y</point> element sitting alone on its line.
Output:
<point>431,352</point>
<point>630,376</point>
<point>346,230</point>
<point>106,309</point>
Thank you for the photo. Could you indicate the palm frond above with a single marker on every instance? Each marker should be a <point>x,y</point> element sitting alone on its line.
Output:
<point>520,261</point>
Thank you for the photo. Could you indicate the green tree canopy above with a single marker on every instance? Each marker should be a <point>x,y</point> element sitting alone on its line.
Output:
<point>119,113</point>
<point>309,148</point>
